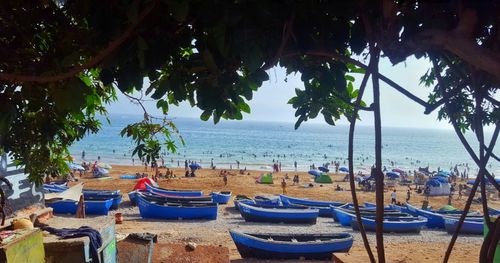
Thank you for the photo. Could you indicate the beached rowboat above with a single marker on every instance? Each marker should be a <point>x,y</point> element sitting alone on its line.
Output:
<point>221,197</point>
<point>173,191</point>
<point>324,207</point>
<point>468,227</point>
<point>393,225</point>
<point>290,246</point>
<point>92,207</point>
<point>175,211</point>
<point>278,215</point>
<point>345,217</point>
<point>168,198</point>
<point>436,219</point>
<point>300,201</point>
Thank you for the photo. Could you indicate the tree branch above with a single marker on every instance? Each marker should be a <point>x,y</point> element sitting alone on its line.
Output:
<point>464,48</point>
<point>350,158</point>
<point>379,176</point>
<point>115,44</point>
<point>345,59</point>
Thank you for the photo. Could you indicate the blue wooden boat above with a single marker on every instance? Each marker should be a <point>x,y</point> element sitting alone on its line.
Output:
<point>468,227</point>
<point>92,207</point>
<point>493,211</point>
<point>221,197</point>
<point>345,217</point>
<point>300,201</point>
<point>246,201</point>
<point>393,225</point>
<point>267,200</point>
<point>435,219</point>
<point>363,210</point>
<point>175,211</point>
<point>278,215</point>
<point>104,195</point>
<point>173,191</point>
<point>132,196</point>
<point>168,198</point>
<point>324,207</point>
<point>290,246</point>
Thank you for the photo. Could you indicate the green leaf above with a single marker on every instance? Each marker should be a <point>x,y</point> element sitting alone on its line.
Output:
<point>206,115</point>
<point>244,107</point>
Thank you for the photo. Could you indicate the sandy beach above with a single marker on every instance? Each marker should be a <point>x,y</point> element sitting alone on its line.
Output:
<point>429,246</point>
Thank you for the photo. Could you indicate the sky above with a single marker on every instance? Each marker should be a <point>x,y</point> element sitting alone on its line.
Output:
<point>270,101</point>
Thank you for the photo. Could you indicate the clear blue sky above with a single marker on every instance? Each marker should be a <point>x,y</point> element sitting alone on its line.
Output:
<point>270,101</point>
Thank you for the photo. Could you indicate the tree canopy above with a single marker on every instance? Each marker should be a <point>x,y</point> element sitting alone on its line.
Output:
<point>62,62</point>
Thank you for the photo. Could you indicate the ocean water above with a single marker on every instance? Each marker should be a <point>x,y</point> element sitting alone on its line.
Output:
<point>257,144</point>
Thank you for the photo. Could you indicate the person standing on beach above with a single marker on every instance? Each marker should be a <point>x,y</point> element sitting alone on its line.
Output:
<point>393,197</point>
<point>225,179</point>
<point>408,195</point>
<point>295,165</point>
<point>283,185</point>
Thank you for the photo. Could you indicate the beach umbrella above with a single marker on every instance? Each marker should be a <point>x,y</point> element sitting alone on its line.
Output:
<point>392,175</point>
<point>314,172</point>
<point>398,170</point>
<point>323,169</point>
<point>195,166</point>
<point>74,166</point>
<point>344,169</point>
<point>141,184</point>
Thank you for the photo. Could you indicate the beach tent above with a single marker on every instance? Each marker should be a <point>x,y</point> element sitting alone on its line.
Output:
<point>323,179</point>
<point>314,172</point>
<point>265,179</point>
<point>141,184</point>
<point>437,187</point>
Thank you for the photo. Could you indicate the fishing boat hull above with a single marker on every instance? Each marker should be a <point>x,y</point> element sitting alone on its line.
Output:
<point>293,200</point>
<point>92,207</point>
<point>278,215</point>
<point>221,197</point>
<point>468,227</point>
<point>397,225</point>
<point>116,197</point>
<point>267,200</point>
<point>283,246</point>
<point>173,192</point>
<point>176,211</point>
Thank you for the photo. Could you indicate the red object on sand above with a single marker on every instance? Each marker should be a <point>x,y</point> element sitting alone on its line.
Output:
<point>141,184</point>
